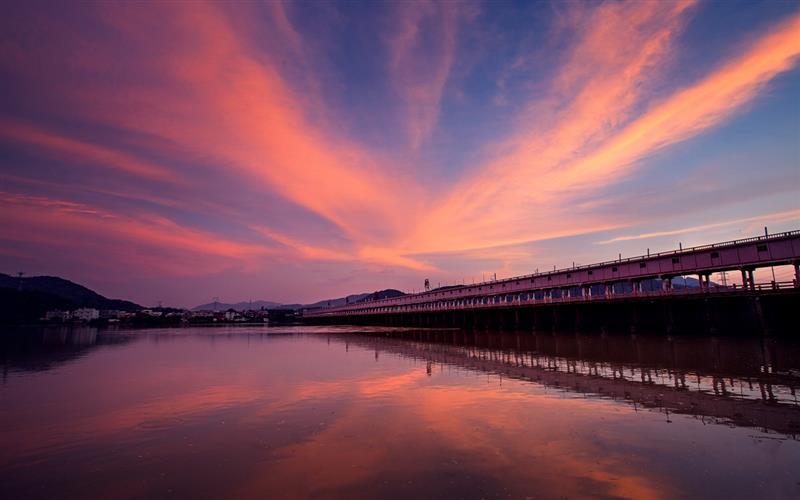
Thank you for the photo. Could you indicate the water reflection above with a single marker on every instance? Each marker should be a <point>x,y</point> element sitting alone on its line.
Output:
<point>43,348</point>
<point>750,382</point>
<point>261,412</point>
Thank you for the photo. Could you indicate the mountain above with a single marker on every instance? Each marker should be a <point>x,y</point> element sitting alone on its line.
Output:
<point>258,304</point>
<point>239,306</point>
<point>75,295</point>
<point>354,299</point>
<point>389,293</point>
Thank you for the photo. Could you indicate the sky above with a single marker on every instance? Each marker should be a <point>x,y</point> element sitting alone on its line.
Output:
<point>296,151</point>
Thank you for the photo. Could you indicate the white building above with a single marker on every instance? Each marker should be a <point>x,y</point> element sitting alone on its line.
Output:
<point>86,314</point>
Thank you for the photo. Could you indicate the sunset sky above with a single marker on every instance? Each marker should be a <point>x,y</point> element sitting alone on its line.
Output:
<point>299,151</point>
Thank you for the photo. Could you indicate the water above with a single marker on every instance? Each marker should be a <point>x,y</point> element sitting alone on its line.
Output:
<point>331,412</point>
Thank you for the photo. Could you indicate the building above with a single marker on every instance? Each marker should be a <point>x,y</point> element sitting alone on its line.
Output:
<point>86,314</point>
<point>57,315</point>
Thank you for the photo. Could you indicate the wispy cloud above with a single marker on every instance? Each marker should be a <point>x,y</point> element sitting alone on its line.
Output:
<point>231,145</point>
<point>776,217</point>
<point>146,242</point>
<point>63,147</point>
<point>598,141</point>
<point>421,57</point>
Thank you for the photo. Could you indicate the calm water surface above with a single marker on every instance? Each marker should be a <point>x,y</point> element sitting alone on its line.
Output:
<point>303,412</point>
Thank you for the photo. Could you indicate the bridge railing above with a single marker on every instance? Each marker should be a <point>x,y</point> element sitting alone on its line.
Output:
<point>687,250</point>
<point>679,251</point>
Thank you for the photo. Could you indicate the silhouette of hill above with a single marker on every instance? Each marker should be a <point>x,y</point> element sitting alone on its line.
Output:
<point>355,298</point>
<point>239,306</point>
<point>47,287</point>
<point>258,304</point>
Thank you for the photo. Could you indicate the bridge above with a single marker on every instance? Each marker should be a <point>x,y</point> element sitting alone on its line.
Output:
<point>619,281</point>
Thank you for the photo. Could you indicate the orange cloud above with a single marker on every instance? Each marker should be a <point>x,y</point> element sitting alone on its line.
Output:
<point>252,122</point>
<point>528,193</point>
<point>697,108</point>
<point>212,93</point>
<point>303,249</point>
<point>255,124</point>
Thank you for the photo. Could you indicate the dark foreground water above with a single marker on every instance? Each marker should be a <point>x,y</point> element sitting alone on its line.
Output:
<point>303,412</point>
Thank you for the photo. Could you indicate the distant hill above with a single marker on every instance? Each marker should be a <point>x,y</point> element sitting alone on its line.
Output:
<point>239,306</point>
<point>355,298</point>
<point>258,304</point>
<point>389,293</point>
<point>47,287</point>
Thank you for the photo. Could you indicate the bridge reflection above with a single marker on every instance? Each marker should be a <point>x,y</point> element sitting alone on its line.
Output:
<point>732,381</point>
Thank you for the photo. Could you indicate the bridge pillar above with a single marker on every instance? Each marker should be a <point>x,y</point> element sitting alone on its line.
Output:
<point>751,279</point>
<point>796,266</point>
<point>609,289</point>
<point>666,283</point>
<point>744,279</point>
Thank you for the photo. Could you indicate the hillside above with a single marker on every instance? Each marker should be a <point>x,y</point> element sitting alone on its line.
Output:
<point>258,304</point>
<point>76,295</point>
<point>239,306</point>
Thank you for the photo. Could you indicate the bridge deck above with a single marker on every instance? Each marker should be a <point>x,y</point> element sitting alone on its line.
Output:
<point>558,286</point>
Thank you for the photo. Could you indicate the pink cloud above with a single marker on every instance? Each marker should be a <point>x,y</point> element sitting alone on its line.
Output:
<point>527,193</point>
<point>63,147</point>
<point>221,109</point>
<point>419,69</point>
<point>146,242</point>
